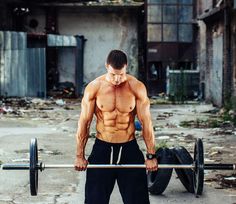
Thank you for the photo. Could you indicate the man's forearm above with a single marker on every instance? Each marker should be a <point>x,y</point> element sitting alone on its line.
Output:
<point>149,139</point>
<point>82,138</point>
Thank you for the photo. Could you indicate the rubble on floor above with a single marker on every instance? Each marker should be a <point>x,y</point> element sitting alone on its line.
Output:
<point>33,107</point>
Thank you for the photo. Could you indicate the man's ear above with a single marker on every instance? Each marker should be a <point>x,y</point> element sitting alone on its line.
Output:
<point>106,65</point>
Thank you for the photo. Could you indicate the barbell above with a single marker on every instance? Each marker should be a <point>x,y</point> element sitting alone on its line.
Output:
<point>198,167</point>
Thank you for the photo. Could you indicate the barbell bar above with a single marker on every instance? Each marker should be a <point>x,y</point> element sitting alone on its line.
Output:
<point>42,166</point>
<point>198,167</point>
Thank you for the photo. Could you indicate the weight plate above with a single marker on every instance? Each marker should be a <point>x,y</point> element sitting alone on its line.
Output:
<point>185,175</point>
<point>158,180</point>
<point>198,176</point>
<point>33,167</point>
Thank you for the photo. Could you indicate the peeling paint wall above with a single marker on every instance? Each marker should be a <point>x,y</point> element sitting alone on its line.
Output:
<point>215,60</point>
<point>104,32</point>
<point>201,59</point>
<point>211,61</point>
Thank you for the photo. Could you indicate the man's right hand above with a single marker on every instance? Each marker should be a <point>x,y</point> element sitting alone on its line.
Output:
<point>81,164</point>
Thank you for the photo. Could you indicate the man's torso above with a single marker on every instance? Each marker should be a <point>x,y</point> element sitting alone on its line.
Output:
<point>115,111</point>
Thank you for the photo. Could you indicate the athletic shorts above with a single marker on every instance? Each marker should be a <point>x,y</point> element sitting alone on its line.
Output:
<point>132,182</point>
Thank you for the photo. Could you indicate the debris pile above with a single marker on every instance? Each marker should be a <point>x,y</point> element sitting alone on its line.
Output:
<point>223,181</point>
<point>63,90</point>
<point>19,107</point>
<point>12,105</point>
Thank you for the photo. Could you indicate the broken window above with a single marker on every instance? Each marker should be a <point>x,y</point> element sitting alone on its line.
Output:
<point>169,32</point>
<point>154,32</point>
<point>170,18</point>
<point>169,14</point>
<point>154,14</point>
<point>155,71</point>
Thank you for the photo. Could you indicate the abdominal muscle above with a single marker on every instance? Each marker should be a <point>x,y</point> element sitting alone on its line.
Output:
<point>115,127</point>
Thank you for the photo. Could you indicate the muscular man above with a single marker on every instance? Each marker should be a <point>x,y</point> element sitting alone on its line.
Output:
<point>115,98</point>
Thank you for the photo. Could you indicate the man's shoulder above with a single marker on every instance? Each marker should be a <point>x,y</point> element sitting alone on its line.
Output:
<point>96,82</point>
<point>93,86</point>
<point>134,83</point>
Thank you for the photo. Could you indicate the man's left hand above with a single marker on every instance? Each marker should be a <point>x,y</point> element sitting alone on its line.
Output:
<point>151,164</point>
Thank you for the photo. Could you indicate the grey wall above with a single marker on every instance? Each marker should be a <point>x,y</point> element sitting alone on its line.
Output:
<point>103,31</point>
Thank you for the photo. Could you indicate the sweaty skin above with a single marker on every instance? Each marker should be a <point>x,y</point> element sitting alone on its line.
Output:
<point>115,98</point>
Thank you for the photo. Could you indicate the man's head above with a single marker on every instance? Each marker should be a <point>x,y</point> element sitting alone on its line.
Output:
<point>117,59</point>
<point>116,65</point>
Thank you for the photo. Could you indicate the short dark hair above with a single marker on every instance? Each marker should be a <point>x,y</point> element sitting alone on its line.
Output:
<point>117,59</point>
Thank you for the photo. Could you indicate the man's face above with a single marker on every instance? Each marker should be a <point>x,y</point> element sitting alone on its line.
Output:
<point>116,76</point>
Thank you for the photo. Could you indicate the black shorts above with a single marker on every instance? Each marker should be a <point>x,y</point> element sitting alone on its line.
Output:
<point>132,183</point>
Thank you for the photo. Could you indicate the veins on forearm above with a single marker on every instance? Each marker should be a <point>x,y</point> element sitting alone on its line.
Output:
<point>149,139</point>
<point>82,138</point>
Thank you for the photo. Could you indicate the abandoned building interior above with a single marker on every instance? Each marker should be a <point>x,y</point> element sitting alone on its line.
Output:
<point>178,48</point>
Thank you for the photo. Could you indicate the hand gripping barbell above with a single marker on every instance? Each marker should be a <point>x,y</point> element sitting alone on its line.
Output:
<point>198,167</point>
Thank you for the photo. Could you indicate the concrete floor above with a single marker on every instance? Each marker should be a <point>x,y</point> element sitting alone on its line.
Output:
<point>56,143</point>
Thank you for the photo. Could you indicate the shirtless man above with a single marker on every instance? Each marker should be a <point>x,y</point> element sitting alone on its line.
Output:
<point>115,98</point>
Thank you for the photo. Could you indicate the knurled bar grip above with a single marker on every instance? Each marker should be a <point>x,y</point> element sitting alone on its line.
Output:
<point>15,167</point>
<point>220,166</point>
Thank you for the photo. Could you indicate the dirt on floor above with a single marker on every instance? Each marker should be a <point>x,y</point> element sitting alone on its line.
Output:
<point>174,125</point>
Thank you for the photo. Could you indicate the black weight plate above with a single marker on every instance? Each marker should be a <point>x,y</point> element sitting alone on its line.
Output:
<point>198,176</point>
<point>158,180</point>
<point>185,175</point>
<point>33,167</point>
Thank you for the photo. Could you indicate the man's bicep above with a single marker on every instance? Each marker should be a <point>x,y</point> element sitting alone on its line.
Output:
<point>87,109</point>
<point>143,112</point>
<point>142,103</point>
<point>87,106</point>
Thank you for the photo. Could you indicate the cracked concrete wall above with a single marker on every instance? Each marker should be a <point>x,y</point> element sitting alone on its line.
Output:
<point>104,32</point>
